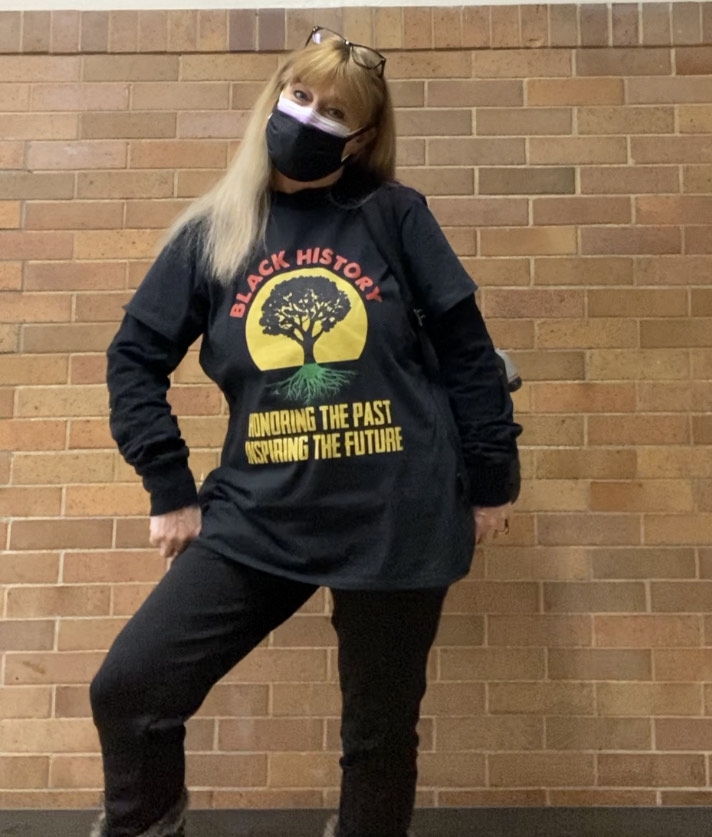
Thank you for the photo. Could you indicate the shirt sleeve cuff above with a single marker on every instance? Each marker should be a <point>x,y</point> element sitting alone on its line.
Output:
<point>171,488</point>
<point>493,483</point>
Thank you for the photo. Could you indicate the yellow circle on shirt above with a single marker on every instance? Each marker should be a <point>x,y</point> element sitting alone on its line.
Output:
<point>344,341</point>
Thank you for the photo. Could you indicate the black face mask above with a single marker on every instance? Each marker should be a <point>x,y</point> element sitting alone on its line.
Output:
<point>303,152</point>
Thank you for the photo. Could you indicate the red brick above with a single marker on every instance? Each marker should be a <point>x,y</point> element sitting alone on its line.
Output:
<point>30,502</point>
<point>631,699</point>
<point>532,303</point>
<point>542,769</point>
<point>31,68</point>
<point>681,332</point>
<point>697,239</point>
<point>581,210</point>
<point>631,240</point>
<point>595,529</point>
<point>484,664</point>
<point>583,397</point>
<point>157,154</point>
<point>476,26</point>
<point>55,534</point>
<point>683,149</point>
<point>583,271</point>
<point>28,568</point>
<point>417,27</point>
<point>531,241</point>
<point>673,270</point>
<point>499,734</point>
<point>36,31</point>
<point>116,244</point>
<point>577,150</point>
<point>123,31</point>
<point>55,276</point>
<point>79,97</point>
<point>656,24</point>
<point>246,67</point>
<point>152,31</point>
<point>125,184</point>
<point>36,245</point>
<point>130,68</point>
<point>678,529</point>
<point>182,30</point>
<point>594,597</point>
<point>11,31</point>
<point>475,151</point>
<point>101,307</point>
<point>663,495</point>
<point>623,62</point>
<point>127,125</point>
<point>534,24</point>
<point>35,126</point>
<point>27,635</point>
<point>46,186</point>
<point>447,27</point>
<point>474,93</point>
<point>479,211</point>
<point>598,734</point>
<point>23,602</point>
<point>625,24</point>
<point>90,433</point>
<point>600,664</point>
<point>593,25</point>
<point>523,63</point>
<point>646,632</point>
<point>629,180</point>
<point>10,276</point>
<point>25,702</point>
<point>539,631</point>
<point>449,64</point>
<point>158,96</point>
<point>94,35</point>
<point>75,215</point>
<point>273,734</point>
<point>97,154</point>
<point>643,562</point>
<point>651,770</point>
<point>675,90</point>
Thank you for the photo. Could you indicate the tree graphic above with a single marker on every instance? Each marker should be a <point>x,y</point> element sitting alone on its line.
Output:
<point>303,309</point>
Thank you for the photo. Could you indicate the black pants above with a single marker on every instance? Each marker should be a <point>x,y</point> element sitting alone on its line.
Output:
<point>205,615</point>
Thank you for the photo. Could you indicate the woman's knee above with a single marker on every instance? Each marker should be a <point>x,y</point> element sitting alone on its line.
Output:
<point>122,686</point>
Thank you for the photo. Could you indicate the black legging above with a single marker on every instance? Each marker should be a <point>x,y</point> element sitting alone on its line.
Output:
<point>207,614</point>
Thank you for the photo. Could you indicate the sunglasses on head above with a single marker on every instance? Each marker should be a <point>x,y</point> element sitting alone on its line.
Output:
<point>362,55</point>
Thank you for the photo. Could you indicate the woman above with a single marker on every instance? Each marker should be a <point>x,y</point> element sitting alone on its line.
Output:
<point>342,465</point>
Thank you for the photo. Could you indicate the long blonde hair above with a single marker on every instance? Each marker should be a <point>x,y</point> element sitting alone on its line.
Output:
<point>235,211</point>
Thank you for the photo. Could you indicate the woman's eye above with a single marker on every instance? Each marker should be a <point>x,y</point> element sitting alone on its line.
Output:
<point>300,95</point>
<point>335,113</point>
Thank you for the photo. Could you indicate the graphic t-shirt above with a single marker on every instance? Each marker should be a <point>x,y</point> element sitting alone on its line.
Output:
<point>339,466</point>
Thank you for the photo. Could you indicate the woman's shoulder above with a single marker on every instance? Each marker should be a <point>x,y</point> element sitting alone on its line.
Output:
<point>405,196</point>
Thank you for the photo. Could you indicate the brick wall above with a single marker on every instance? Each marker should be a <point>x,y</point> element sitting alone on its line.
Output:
<point>568,153</point>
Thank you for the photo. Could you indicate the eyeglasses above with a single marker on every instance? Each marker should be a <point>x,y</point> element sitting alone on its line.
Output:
<point>363,56</point>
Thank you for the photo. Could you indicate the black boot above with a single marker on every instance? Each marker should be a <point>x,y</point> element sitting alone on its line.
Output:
<point>171,824</point>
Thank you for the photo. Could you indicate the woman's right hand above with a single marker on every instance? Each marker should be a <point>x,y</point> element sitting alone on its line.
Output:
<point>172,532</point>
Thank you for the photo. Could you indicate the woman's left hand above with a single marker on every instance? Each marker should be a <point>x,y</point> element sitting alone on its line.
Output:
<point>491,521</point>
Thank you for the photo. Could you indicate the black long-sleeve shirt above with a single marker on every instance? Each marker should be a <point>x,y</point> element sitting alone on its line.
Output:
<point>344,471</point>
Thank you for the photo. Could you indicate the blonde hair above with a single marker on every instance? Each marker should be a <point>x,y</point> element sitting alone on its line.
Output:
<point>234,212</point>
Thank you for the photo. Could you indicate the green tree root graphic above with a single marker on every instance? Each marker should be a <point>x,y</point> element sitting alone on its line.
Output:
<point>311,382</point>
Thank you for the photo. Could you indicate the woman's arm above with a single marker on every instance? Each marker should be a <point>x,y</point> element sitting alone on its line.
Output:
<point>480,402</point>
<point>140,361</point>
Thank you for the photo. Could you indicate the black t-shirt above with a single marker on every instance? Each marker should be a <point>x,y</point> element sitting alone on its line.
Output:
<point>339,466</point>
